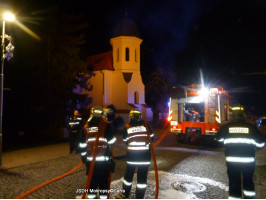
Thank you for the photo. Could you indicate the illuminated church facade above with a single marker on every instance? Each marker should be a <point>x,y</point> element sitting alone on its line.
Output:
<point>117,79</point>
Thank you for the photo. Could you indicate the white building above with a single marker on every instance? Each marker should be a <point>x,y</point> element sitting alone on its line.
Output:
<point>117,79</point>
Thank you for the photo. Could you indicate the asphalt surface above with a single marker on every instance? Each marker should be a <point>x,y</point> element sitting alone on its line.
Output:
<point>185,171</point>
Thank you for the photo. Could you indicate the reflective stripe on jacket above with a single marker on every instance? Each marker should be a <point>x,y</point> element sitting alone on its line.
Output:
<point>241,140</point>
<point>137,138</point>
<point>74,125</point>
<point>91,133</point>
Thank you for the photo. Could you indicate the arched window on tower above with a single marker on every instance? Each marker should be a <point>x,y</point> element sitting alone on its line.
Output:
<point>117,58</point>
<point>136,98</point>
<point>127,54</point>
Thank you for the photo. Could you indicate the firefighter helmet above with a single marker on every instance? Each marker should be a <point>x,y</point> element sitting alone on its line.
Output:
<point>135,114</point>
<point>97,111</point>
<point>107,111</point>
<point>238,111</point>
<point>108,114</point>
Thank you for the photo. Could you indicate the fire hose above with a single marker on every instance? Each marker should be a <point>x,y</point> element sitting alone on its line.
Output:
<point>91,171</point>
<point>47,182</point>
<point>154,160</point>
<point>91,168</point>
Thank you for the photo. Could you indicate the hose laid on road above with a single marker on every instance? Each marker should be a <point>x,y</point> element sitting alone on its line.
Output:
<point>154,160</point>
<point>80,165</point>
<point>157,142</point>
<point>46,183</point>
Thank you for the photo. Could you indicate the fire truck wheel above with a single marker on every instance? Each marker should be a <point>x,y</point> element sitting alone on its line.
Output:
<point>187,138</point>
<point>180,139</point>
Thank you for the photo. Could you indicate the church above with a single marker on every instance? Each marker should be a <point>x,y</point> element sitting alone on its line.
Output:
<point>117,79</point>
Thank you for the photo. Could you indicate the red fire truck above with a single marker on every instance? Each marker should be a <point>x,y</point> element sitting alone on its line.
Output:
<point>199,113</point>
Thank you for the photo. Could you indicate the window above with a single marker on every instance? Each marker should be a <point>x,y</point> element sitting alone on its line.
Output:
<point>135,55</point>
<point>127,54</point>
<point>117,58</point>
<point>136,98</point>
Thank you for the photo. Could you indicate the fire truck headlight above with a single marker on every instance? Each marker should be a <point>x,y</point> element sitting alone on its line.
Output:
<point>203,93</point>
<point>173,123</point>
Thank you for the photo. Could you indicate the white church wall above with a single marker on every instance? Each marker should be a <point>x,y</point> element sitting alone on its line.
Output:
<point>121,43</point>
<point>119,91</point>
<point>136,85</point>
<point>97,92</point>
<point>117,53</point>
<point>108,87</point>
<point>147,113</point>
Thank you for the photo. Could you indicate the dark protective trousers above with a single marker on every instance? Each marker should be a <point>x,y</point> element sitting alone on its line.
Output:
<point>239,173</point>
<point>99,179</point>
<point>142,172</point>
<point>73,141</point>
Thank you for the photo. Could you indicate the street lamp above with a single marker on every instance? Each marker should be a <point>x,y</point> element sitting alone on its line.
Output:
<point>7,16</point>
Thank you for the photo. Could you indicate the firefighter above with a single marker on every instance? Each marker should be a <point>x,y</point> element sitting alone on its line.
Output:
<point>241,140</point>
<point>109,113</point>
<point>137,134</point>
<point>75,129</point>
<point>97,126</point>
<point>109,116</point>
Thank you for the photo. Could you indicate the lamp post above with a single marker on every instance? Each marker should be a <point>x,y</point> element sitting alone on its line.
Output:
<point>7,16</point>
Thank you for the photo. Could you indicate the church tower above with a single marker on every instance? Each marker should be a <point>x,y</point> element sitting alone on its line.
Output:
<point>126,46</point>
<point>127,89</point>
<point>117,78</point>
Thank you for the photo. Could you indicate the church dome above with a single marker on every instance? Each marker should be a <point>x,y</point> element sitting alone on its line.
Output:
<point>126,27</point>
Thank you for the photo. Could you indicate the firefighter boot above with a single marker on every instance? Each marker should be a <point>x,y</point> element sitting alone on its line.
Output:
<point>140,193</point>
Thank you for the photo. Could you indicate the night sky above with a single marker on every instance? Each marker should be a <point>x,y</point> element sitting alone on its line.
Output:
<point>224,38</point>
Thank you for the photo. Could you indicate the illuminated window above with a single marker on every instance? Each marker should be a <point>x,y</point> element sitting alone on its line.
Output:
<point>136,98</point>
<point>117,58</point>
<point>127,54</point>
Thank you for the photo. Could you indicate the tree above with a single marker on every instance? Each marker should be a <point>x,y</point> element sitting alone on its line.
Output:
<point>64,63</point>
<point>51,70</point>
<point>157,94</point>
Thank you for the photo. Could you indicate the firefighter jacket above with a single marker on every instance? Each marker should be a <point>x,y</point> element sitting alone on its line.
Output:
<point>241,140</point>
<point>137,136</point>
<point>94,128</point>
<point>75,124</point>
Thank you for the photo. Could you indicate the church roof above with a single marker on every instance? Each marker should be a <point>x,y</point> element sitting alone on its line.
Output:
<point>101,61</point>
<point>126,27</point>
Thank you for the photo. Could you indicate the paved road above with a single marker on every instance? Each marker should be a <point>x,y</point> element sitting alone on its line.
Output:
<point>185,171</point>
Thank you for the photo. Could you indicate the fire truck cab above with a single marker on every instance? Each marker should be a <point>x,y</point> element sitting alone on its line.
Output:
<point>199,114</point>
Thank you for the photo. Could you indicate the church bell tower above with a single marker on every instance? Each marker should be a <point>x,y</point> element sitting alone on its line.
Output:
<point>127,80</point>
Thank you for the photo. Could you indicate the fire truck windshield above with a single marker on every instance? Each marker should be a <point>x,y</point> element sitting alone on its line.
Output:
<point>193,112</point>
